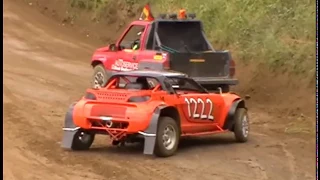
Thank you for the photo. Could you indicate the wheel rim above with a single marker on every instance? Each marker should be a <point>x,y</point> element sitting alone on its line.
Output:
<point>245,126</point>
<point>98,80</point>
<point>84,137</point>
<point>169,137</point>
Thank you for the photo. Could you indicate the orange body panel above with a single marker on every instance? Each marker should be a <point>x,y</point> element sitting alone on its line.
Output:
<point>138,115</point>
<point>199,112</point>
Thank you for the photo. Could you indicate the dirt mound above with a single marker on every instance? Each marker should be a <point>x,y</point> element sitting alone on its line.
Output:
<point>284,94</point>
<point>46,69</point>
<point>112,19</point>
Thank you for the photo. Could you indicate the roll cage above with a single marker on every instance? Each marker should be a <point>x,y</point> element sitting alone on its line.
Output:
<point>169,82</point>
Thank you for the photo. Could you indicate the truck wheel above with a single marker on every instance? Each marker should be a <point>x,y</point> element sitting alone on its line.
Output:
<point>168,135</point>
<point>100,76</point>
<point>82,140</point>
<point>241,127</point>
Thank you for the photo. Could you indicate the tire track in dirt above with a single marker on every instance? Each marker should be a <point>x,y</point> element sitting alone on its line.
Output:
<point>19,126</point>
<point>43,75</point>
<point>257,168</point>
<point>291,161</point>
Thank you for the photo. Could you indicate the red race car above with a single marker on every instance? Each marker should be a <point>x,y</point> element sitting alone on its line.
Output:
<point>157,107</point>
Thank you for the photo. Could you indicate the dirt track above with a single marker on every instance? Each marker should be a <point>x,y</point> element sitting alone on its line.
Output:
<point>46,69</point>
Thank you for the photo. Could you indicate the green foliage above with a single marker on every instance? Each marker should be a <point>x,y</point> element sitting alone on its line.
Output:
<point>95,6</point>
<point>99,8</point>
<point>280,33</point>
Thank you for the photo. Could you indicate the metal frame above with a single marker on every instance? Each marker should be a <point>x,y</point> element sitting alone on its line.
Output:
<point>161,76</point>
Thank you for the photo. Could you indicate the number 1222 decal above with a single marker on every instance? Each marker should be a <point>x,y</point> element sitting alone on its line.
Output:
<point>202,115</point>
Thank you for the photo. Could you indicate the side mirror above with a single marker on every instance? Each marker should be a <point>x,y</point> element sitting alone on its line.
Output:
<point>113,47</point>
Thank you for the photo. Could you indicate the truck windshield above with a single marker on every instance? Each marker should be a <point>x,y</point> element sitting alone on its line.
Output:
<point>182,36</point>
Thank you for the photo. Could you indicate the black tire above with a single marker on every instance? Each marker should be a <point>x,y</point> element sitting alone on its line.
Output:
<point>115,143</point>
<point>85,144</point>
<point>100,76</point>
<point>160,149</point>
<point>241,133</point>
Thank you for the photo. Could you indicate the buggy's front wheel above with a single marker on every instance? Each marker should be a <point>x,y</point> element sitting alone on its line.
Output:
<point>241,127</point>
<point>168,136</point>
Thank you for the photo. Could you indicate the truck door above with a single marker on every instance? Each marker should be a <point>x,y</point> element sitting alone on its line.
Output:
<point>129,49</point>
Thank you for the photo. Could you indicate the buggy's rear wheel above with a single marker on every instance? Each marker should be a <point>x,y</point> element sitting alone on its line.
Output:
<point>82,140</point>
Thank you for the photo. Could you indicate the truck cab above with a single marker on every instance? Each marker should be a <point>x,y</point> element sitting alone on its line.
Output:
<point>163,44</point>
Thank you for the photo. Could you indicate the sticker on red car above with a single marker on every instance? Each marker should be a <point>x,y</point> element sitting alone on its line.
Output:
<point>121,65</point>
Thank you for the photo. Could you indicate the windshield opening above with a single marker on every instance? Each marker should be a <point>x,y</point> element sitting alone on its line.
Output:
<point>182,36</point>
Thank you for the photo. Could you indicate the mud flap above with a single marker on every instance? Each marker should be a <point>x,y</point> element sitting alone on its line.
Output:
<point>69,129</point>
<point>150,134</point>
<point>230,117</point>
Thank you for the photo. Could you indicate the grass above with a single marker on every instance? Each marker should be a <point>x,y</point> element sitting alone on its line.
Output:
<point>301,125</point>
<point>100,8</point>
<point>278,33</point>
<point>95,6</point>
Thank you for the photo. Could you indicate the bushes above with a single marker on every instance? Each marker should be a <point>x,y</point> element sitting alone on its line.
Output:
<point>280,33</point>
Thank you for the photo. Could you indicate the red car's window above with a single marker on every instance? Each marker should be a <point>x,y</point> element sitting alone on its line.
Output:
<point>132,37</point>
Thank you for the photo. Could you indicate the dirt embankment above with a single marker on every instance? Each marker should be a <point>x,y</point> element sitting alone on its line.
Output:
<point>46,68</point>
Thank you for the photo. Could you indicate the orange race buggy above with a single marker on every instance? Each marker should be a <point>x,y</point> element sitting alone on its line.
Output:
<point>157,107</point>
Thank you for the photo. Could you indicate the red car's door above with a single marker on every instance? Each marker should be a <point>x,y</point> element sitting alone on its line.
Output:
<point>201,107</point>
<point>127,57</point>
<point>124,61</point>
<point>201,111</point>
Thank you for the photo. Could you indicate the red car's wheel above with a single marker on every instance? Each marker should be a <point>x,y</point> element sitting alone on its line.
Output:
<point>168,135</point>
<point>241,128</point>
